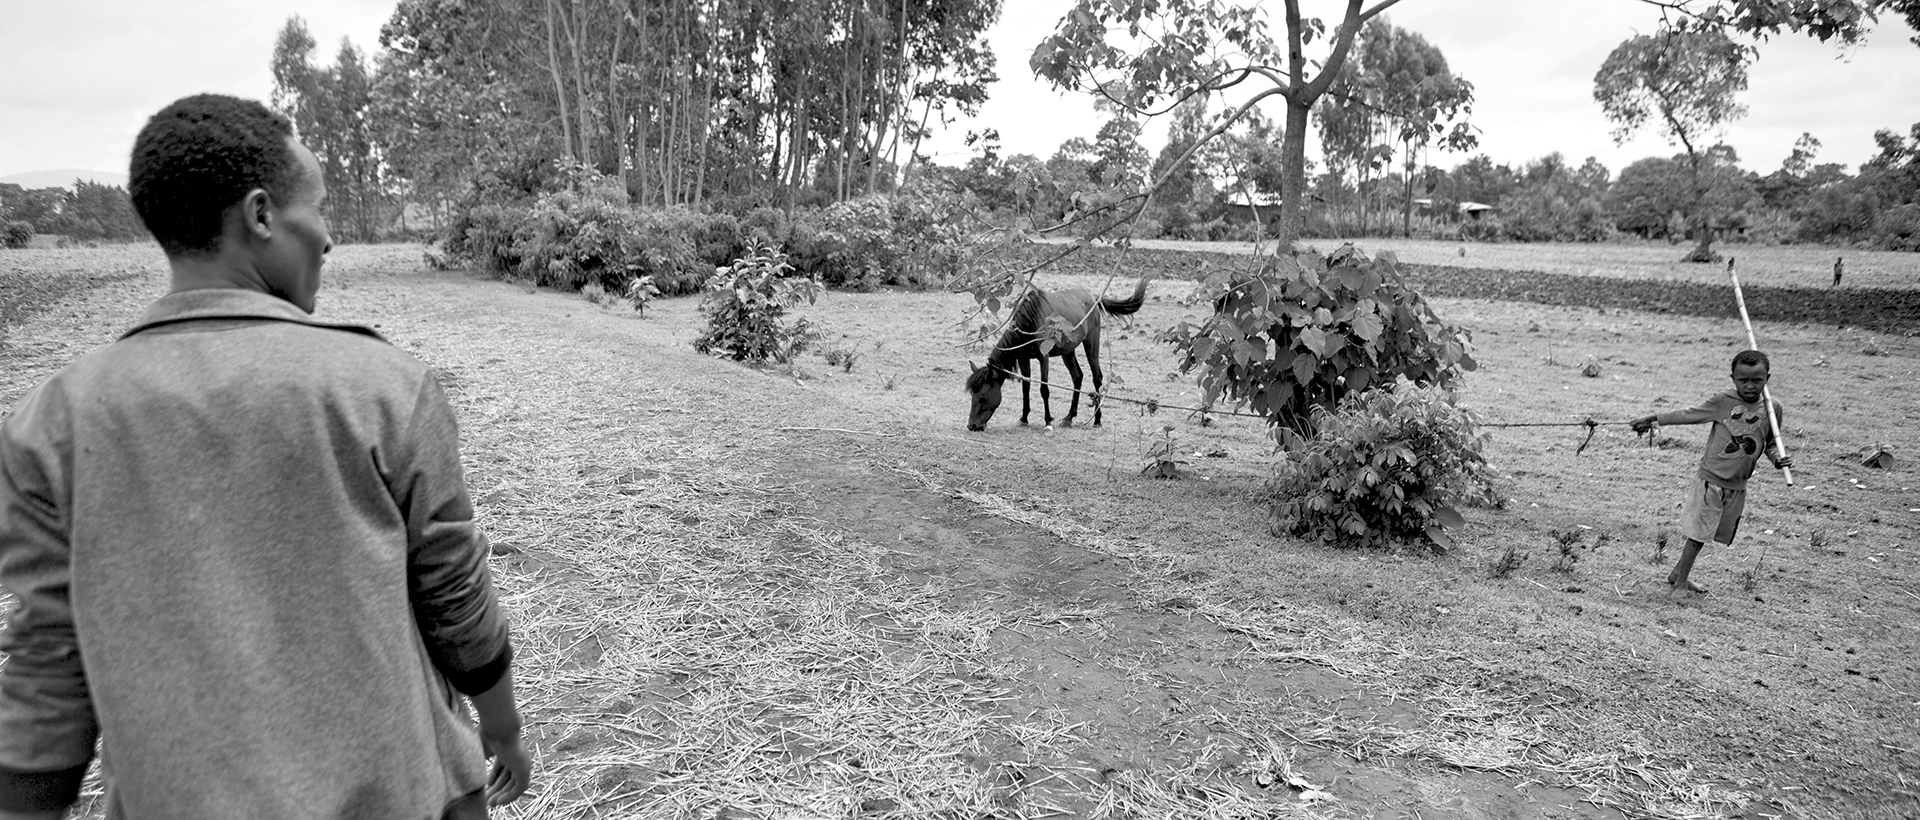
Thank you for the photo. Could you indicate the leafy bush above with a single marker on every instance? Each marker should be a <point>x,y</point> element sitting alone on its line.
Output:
<point>1484,229</point>
<point>892,239</point>
<point>1898,228</point>
<point>15,233</point>
<point>746,305</point>
<point>1308,330</point>
<point>1389,467</point>
<point>1534,215</point>
<point>660,245</point>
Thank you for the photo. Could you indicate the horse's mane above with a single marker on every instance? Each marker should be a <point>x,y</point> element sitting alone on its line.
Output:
<point>1022,325</point>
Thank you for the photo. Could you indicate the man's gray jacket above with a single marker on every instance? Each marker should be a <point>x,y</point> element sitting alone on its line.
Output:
<point>245,560</point>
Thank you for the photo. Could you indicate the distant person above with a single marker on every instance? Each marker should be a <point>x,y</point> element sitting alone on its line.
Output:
<point>1839,267</point>
<point>240,537</point>
<point>1717,495</point>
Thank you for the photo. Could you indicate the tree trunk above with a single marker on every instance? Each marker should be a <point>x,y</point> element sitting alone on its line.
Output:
<point>559,85</point>
<point>1293,177</point>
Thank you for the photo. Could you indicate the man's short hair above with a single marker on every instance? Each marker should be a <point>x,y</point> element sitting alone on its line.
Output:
<point>198,157</point>
<point>1751,357</point>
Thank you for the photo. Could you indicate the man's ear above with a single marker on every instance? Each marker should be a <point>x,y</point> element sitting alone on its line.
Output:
<point>256,213</point>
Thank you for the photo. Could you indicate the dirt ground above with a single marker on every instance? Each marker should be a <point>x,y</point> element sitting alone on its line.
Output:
<point>809,592</point>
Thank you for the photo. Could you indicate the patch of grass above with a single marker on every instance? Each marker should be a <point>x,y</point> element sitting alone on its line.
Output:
<point>1660,539</point>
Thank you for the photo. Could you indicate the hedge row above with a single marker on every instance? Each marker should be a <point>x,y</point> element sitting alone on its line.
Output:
<point>570,239</point>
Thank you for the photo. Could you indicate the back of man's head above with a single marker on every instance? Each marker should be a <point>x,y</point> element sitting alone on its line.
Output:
<point>200,156</point>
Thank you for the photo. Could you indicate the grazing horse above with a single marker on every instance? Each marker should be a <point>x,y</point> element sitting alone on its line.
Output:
<point>1070,318</point>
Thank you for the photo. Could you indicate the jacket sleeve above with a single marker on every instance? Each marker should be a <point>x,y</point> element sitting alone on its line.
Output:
<point>454,603</point>
<point>47,724</point>
<point>1712,409</point>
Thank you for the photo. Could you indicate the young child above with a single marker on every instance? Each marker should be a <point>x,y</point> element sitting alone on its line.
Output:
<point>239,537</point>
<point>1740,434</point>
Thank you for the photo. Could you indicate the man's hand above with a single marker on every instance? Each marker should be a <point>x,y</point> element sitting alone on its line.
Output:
<point>512,769</point>
<point>1644,423</point>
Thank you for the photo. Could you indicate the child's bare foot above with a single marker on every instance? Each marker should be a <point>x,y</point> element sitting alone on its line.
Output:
<point>1689,584</point>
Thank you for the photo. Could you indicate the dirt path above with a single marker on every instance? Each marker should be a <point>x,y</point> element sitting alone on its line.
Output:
<point>884,616</point>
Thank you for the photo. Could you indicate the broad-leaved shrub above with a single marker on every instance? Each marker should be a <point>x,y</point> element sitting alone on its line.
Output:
<point>907,238</point>
<point>1307,330</point>
<point>746,307</point>
<point>1389,467</point>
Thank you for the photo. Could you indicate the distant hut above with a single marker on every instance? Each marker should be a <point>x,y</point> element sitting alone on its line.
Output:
<point>1474,210</point>
<point>1240,208</point>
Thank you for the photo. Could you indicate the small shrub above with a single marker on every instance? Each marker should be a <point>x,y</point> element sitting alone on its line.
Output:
<point>1750,577</point>
<point>1388,467</point>
<point>841,357</point>
<point>746,306</point>
<point>641,292</point>
<point>1163,458</point>
<point>1660,540</point>
<point>15,233</point>
<point>1307,331</point>
<point>595,294</point>
<point>1509,560</point>
<point>1566,545</point>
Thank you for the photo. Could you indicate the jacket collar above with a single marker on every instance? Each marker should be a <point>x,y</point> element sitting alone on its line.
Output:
<point>231,303</point>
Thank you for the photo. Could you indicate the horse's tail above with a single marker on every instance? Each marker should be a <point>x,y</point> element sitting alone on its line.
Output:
<point>1123,307</point>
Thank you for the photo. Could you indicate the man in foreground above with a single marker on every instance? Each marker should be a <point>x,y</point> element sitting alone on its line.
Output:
<point>240,538</point>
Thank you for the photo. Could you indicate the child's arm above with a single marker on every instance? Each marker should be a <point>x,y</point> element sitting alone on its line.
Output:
<point>47,723</point>
<point>1709,410</point>
<point>1775,452</point>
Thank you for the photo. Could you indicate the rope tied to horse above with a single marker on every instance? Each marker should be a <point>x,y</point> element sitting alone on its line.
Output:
<point>1154,405</point>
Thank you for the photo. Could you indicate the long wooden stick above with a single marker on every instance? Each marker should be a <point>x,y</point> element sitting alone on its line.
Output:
<point>1766,393</point>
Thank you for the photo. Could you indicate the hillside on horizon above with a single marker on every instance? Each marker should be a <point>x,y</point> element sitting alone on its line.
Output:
<point>64,177</point>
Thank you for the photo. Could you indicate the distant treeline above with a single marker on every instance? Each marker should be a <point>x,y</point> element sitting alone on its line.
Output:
<point>89,211</point>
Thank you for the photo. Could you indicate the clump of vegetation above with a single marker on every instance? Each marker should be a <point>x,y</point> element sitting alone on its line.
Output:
<point>1659,555</point>
<point>1567,549</point>
<point>1509,560</point>
<point>641,292</point>
<point>1389,467</point>
<point>746,306</point>
<point>15,233</point>
<point>1307,332</point>
<point>1163,458</point>
<point>1750,577</point>
<point>1817,539</point>
<point>842,357</point>
<point>908,238</point>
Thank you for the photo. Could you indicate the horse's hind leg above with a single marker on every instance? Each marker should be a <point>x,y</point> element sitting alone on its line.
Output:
<point>1073,371</point>
<point>1093,364</point>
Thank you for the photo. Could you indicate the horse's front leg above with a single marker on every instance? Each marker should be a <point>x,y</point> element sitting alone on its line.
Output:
<point>1026,391</point>
<point>1073,371</point>
<point>1046,400</point>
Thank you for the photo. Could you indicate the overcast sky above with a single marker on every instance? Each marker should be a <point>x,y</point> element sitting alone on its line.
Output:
<point>78,78</point>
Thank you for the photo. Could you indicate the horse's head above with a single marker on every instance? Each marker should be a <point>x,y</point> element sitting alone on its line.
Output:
<point>983,393</point>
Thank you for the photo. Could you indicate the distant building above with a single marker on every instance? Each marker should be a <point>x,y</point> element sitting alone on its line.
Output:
<point>1474,210</point>
<point>1241,208</point>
